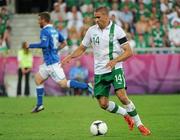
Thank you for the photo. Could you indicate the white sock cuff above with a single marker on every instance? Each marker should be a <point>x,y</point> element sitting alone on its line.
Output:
<point>137,120</point>
<point>68,83</point>
<point>130,107</point>
<point>111,106</point>
<point>40,86</point>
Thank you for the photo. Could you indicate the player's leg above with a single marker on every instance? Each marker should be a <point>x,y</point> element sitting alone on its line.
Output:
<point>131,110</point>
<point>64,83</point>
<point>119,84</point>
<point>40,93</point>
<point>101,92</point>
<point>40,77</point>
<point>58,75</point>
<point>110,106</point>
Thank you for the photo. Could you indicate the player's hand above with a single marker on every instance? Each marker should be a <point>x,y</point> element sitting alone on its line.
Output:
<point>66,60</point>
<point>111,64</point>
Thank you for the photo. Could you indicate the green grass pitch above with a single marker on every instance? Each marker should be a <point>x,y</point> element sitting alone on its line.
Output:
<point>69,118</point>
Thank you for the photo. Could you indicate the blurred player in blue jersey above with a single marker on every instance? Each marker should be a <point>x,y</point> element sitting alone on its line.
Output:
<point>51,40</point>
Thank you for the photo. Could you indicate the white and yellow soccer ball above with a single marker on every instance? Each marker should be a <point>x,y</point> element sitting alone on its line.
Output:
<point>98,127</point>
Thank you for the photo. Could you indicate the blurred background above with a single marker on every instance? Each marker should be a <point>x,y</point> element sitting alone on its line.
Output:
<point>152,27</point>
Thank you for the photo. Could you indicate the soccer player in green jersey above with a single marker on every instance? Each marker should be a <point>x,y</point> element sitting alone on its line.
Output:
<point>111,48</point>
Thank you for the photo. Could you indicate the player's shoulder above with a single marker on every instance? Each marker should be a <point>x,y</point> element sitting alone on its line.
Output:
<point>92,28</point>
<point>44,30</point>
<point>49,30</point>
<point>117,27</point>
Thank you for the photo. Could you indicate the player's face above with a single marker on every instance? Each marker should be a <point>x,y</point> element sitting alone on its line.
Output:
<point>101,19</point>
<point>41,22</point>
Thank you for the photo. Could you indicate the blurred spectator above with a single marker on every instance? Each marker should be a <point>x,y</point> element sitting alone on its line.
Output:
<point>126,16</point>
<point>71,3</point>
<point>87,22</point>
<point>166,27</point>
<point>74,18</point>
<point>131,41</point>
<point>128,3</point>
<point>164,7</point>
<point>56,14</point>
<point>142,11</point>
<point>155,13</point>
<point>114,19</point>
<point>146,1</point>
<point>157,36</point>
<point>62,6</point>
<point>2,27</point>
<point>73,40</point>
<point>142,26</point>
<point>142,42</point>
<point>99,3</point>
<point>87,11</point>
<point>5,16</point>
<point>127,28</point>
<point>3,46</point>
<point>7,36</point>
<point>155,4</point>
<point>114,14</point>
<point>152,23</point>
<point>174,33</point>
<point>80,73</point>
<point>25,62</point>
<point>62,28</point>
<point>136,16</point>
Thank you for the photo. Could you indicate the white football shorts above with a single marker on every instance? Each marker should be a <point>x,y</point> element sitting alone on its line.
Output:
<point>55,71</point>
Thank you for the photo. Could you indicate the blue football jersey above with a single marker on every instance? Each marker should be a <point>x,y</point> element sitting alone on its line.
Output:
<point>49,44</point>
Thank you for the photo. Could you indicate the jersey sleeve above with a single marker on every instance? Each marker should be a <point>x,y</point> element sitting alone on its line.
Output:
<point>87,39</point>
<point>60,37</point>
<point>121,35</point>
<point>44,41</point>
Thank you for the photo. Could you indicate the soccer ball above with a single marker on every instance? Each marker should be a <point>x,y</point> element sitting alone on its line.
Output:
<point>98,128</point>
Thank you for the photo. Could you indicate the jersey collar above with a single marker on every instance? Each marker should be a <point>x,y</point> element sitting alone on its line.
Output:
<point>48,25</point>
<point>107,27</point>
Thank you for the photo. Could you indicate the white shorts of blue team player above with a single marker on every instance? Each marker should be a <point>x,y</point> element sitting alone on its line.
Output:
<point>55,71</point>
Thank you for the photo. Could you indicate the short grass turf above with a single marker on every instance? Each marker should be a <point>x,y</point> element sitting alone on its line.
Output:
<point>69,118</point>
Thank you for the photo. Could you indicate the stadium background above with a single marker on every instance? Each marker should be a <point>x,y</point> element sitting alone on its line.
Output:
<point>154,68</point>
<point>153,72</point>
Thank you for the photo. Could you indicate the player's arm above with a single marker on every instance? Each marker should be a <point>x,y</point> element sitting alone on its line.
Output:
<point>44,41</point>
<point>63,44</point>
<point>78,52</point>
<point>124,56</point>
<point>61,40</point>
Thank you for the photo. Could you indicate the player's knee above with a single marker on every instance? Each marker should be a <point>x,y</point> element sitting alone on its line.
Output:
<point>103,105</point>
<point>124,100</point>
<point>38,80</point>
<point>103,102</point>
<point>63,83</point>
<point>122,96</point>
